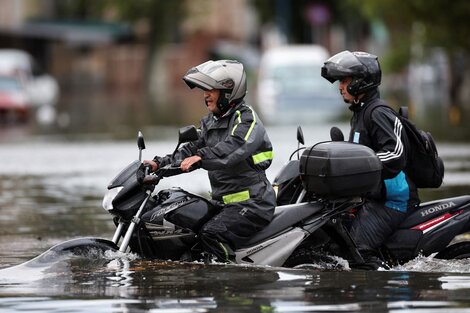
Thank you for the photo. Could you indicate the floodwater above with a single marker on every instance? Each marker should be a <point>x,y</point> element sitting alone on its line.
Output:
<point>51,190</point>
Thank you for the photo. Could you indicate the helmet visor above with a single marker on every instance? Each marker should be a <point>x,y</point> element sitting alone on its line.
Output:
<point>199,76</point>
<point>341,65</point>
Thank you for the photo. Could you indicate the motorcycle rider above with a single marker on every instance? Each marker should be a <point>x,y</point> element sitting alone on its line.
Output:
<point>234,148</point>
<point>359,76</point>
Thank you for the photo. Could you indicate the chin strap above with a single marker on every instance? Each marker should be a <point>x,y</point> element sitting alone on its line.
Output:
<point>228,108</point>
<point>223,101</point>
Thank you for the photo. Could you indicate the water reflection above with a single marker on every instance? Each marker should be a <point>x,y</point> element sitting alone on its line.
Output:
<point>50,191</point>
<point>126,285</point>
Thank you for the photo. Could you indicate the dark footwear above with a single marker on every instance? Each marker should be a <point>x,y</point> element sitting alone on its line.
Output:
<point>371,263</point>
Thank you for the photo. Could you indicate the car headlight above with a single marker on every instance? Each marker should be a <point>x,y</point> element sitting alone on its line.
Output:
<point>109,197</point>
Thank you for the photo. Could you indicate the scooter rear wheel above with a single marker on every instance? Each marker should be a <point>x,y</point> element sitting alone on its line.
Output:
<point>460,250</point>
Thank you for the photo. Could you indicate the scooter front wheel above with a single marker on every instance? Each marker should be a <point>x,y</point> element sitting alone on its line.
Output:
<point>460,250</point>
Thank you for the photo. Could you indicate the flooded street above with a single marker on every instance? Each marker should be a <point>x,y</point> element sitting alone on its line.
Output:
<point>51,191</point>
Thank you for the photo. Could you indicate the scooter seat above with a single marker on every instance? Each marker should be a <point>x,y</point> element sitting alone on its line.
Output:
<point>432,209</point>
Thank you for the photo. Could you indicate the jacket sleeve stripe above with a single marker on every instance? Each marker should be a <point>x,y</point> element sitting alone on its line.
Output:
<point>239,120</point>
<point>252,126</point>
<point>397,152</point>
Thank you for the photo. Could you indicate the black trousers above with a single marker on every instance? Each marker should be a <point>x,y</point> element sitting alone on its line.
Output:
<point>373,225</point>
<point>228,230</point>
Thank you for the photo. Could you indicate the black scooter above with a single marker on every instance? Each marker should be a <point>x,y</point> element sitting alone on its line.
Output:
<point>317,193</point>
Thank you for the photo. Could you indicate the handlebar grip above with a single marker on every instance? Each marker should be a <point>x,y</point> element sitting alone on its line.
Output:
<point>150,180</point>
<point>148,169</point>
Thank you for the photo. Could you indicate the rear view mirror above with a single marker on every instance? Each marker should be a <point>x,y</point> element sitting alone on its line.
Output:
<point>140,144</point>
<point>300,135</point>
<point>336,134</point>
<point>140,141</point>
<point>187,134</point>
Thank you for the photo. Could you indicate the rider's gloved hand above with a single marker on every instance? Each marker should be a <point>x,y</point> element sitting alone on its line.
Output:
<point>143,177</point>
<point>151,164</point>
<point>190,163</point>
<point>147,167</point>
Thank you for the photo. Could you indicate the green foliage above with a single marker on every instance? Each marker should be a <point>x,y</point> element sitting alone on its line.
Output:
<point>397,58</point>
<point>293,14</point>
<point>445,22</point>
<point>79,9</point>
<point>162,16</point>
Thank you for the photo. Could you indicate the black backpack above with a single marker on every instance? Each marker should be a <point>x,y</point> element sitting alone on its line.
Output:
<point>424,166</point>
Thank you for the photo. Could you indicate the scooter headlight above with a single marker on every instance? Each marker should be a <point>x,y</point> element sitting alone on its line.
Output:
<point>109,197</point>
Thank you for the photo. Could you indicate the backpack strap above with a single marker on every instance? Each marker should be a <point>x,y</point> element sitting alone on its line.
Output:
<point>403,112</point>
<point>370,108</point>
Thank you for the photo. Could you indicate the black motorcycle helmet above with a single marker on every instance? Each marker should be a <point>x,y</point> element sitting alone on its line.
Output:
<point>363,67</point>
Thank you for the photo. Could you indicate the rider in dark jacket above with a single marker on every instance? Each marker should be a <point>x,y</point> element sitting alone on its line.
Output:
<point>234,148</point>
<point>375,125</point>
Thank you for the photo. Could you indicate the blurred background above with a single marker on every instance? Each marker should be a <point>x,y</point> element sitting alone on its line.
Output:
<point>108,68</point>
<point>80,78</point>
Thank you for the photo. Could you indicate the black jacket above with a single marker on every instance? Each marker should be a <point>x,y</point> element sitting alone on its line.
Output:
<point>235,150</point>
<point>383,132</point>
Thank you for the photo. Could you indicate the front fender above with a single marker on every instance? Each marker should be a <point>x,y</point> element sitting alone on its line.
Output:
<point>81,245</point>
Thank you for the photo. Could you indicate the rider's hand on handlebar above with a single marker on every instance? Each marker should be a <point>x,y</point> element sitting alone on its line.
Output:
<point>142,174</point>
<point>153,165</point>
<point>189,162</point>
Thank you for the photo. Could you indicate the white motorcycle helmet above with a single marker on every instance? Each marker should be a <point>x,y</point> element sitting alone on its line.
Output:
<point>226,75</point>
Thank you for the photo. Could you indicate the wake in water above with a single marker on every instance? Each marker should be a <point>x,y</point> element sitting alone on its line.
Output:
<point>56,262</point>
<point>61,261</point>
<point>329,263</point>
<point>419,264</point>
<point>430,264</point>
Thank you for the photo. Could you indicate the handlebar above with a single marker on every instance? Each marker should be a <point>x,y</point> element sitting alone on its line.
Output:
<point>165,171</point>
<point>169,170</point>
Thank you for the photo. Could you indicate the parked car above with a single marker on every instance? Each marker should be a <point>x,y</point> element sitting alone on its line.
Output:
<point>15,103</point>
<point>42,88</point>
<point>290,88</point>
